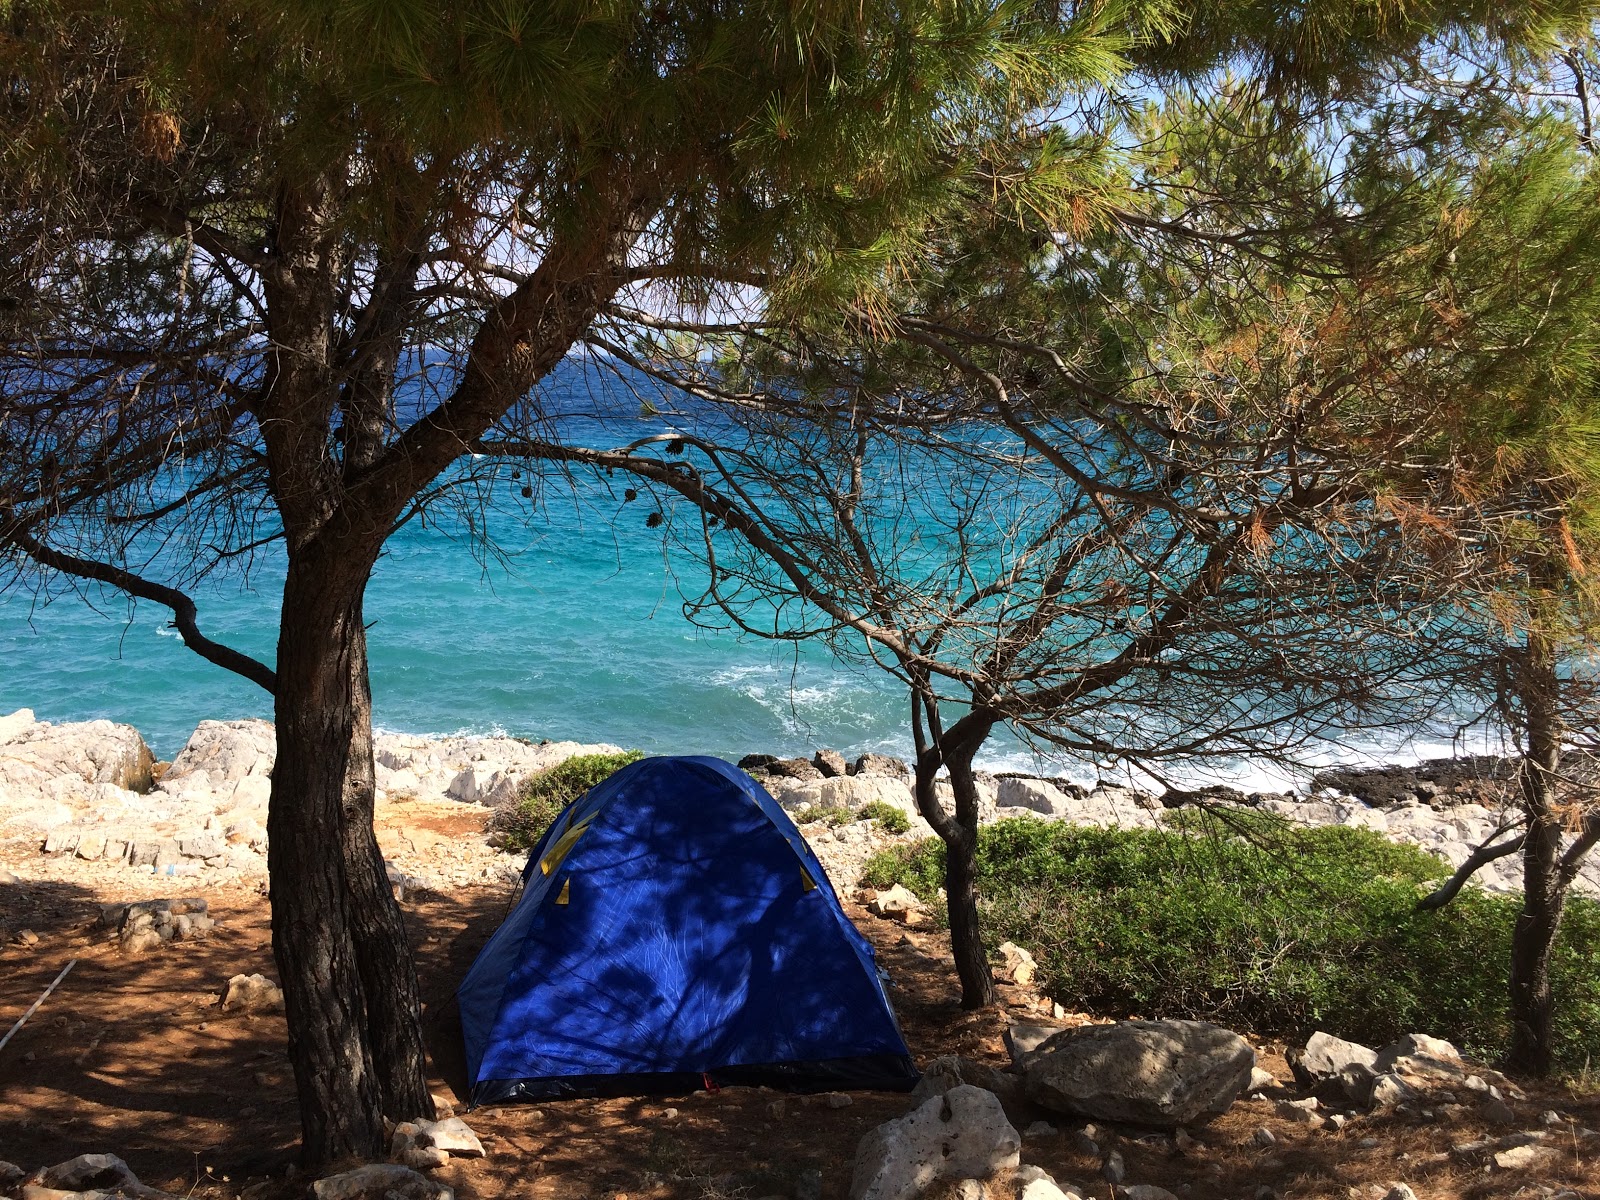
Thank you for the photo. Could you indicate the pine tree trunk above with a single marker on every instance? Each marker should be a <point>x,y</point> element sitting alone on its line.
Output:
<point>1544,898</point>
<point>959,832</point>
<point>966,936</point>
<point>383,950</point>
<point>313,926</point>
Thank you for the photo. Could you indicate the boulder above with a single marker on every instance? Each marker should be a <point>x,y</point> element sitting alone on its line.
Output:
<point>794,768</point>
<point>953,1070</point>
<point>474,785</point>
<point>962,1134</point>
<point>1388,1091</point>
<point>1328,1057</point>
<point>987,790</point>
<point>1024,1037</point>
<point>1335,1066</point>
<point>80,752</point>
<point>1037,795</point>
<point>87,1172</point>
<point>855,791</point>
<point>1034,1183</point>
<point>1159,1073</point>
<point>202,844</point>
<point>880,764</point>
<point>14,725</point>
<point>1421,1062</point>
<point>253,993</point>
<point>897,903</point>
<point>452,1135</point>
<point>380,1181</point>
<point>1017,964</point>
<point>227,751</point>
<point>831,763</point>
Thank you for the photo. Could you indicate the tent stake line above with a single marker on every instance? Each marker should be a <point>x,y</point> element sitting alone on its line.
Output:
<point>34,1007</point>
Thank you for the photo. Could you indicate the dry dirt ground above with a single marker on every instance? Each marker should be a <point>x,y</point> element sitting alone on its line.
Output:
<point>135,1056</point>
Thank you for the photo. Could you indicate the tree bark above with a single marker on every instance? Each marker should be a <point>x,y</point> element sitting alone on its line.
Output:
<point>961,885</point>
<point>954,750</point>
<point>313,923</point>
<point>383,950</point>
<point>1544,893</point>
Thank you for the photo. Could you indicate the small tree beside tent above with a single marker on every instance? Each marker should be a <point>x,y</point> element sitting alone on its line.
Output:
<point>1208,489</point>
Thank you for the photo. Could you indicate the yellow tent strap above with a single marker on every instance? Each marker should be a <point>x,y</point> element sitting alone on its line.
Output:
<point>566,891</point>
<point>553,856</point>
<point>806,882</point>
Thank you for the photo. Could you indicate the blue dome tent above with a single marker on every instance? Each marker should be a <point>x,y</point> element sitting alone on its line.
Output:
<point>675,931</point>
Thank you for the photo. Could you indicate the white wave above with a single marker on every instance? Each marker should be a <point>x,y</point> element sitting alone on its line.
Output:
<point>492,729</point>
<point>167,631</point>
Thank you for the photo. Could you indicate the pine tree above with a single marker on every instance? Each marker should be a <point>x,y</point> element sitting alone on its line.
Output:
<point>236,237</point>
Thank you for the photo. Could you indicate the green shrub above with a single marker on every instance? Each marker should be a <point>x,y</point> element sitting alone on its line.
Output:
<point>888,816</point>
<point>543,796</point>
<point>1284,931</point>
<point>833,816</point>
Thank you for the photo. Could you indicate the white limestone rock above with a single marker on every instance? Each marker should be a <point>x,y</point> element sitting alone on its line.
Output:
<point>952,1070</point>
<point>1159,1073</point>
<point>962,1134</point>
<point>227,751</point>
<point>13,725</point>
<point>897,903</point>
<point>251,792</point>
<point>1524,1158</point>
<point>75,754</point>
<point>474,784</point>
<point>253,993</point>
<point>1023,1038</point>
<point>380,1181</point>
<point>988,798</point>
<point>855,791</point>
<point>1036,795</point>
<point>408,1148</point>
<point>1017,964</point>
<point>452,1135</point>
<point>1328,1057</point>
<point>1035,1184</point>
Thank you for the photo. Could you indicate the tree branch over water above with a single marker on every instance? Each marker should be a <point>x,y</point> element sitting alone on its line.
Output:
<point>185,613</point>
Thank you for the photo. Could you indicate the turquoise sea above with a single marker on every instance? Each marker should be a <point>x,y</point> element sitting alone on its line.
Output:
<point>574,629</point>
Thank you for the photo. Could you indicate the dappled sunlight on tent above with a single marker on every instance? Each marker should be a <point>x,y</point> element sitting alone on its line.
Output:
<point>675,930</point>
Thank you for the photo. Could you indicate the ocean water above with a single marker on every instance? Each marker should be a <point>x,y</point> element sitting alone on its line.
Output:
<point>574,628</point>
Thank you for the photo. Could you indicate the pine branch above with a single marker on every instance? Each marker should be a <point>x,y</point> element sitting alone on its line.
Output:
<point>184,611</point>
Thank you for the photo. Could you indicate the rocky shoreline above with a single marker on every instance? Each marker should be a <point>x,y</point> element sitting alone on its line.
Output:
<point>90,795</point>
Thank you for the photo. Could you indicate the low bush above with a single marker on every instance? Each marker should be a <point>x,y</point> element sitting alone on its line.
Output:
<point>832,816</point>
<point>885,814</point>
<point>543,796</point>
<point>1284,931</point>
<point>889,818</point>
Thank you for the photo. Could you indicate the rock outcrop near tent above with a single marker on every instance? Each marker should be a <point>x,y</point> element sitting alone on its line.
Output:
<point>961,1134</point>
<point>1157,1073</point>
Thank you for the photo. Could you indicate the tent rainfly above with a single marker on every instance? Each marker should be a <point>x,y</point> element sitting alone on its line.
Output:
<point>676,932</point>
